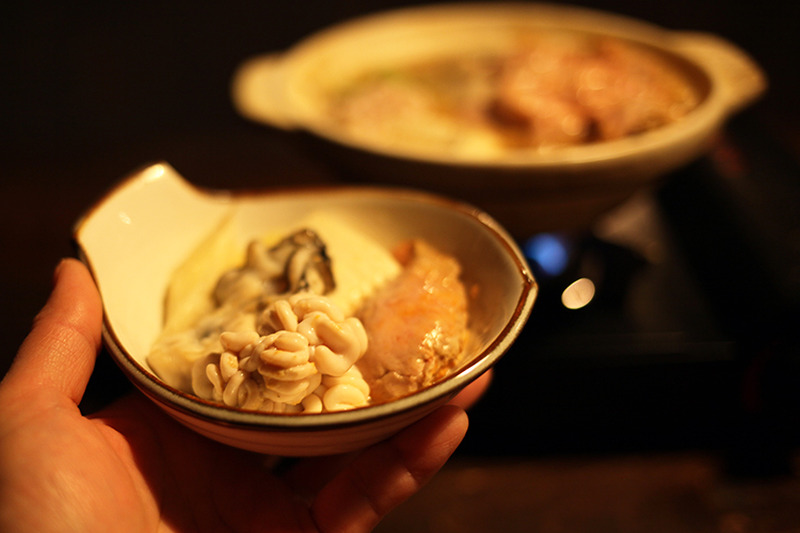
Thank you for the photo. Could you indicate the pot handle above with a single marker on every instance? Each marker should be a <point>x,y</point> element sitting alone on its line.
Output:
<point>258,90</point>
<point>736,77</point>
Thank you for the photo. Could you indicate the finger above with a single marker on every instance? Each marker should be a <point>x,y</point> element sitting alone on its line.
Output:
<point>473,392</point>
<point>307,476</point>
<point>60,350</point>
<point>386,474</point>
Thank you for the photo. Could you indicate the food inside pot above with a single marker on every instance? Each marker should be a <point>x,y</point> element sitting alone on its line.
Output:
<point>546,91</point>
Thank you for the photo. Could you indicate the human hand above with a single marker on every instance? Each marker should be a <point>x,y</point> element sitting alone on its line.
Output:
<point>132,468</point>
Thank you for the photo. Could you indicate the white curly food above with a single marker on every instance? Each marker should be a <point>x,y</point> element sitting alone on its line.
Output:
<point>301,359</point>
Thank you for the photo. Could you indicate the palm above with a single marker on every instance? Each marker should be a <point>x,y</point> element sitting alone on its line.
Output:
<point>131,468</point>
<point>145,472</point>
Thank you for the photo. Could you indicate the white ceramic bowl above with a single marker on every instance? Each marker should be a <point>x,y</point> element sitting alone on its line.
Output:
<point>558,189</point>
<point>135,237</point>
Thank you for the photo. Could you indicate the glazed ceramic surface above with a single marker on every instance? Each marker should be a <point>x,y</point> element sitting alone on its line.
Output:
<point>527,192</point>
<point>135,238</point>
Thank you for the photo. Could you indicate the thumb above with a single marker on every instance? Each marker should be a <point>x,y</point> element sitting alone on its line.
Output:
<point>60,351</point>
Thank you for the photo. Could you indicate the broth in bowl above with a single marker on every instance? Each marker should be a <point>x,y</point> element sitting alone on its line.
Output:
<point>322,319</point>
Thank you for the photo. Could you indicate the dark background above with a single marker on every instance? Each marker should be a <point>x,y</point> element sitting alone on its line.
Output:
<point>93,90</point>
<point>84,81</point>
<point>683,417</point>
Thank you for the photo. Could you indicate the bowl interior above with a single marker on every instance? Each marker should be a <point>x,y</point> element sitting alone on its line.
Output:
<point>136,237</point>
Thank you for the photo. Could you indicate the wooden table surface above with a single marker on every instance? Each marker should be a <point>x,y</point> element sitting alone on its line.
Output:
<point>653,493</point>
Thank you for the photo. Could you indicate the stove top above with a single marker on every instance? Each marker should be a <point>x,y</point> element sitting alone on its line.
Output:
<point>666,326</point>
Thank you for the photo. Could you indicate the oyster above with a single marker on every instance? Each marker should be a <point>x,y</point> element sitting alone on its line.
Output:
<point>297,263</point>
